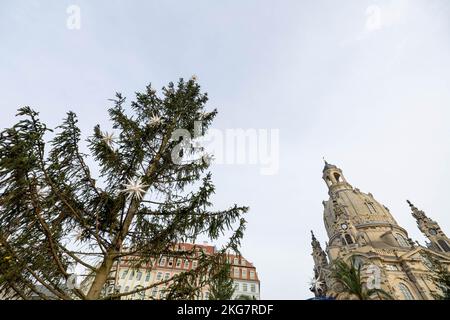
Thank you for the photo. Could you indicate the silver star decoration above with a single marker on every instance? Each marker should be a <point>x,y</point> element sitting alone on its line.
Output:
<point>317,284</point>
<point>194,78</point>
<point>41,192</point>
<point>204,114</point>
<point>155,121</point>
<point>134,188</point>
<point>108,138</point>
<point>207,158</point>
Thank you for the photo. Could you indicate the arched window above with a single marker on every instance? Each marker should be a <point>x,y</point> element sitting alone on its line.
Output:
<point>427,262</point>
<point>444,245</point>
<point>358,262</point>
<point>348,238</point>
<point>402,240</point>
<point>405,292</point>
<point>337,176</point>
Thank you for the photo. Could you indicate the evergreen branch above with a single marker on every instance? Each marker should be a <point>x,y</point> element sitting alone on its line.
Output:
<point>56,291</point>
<point>73,256</point>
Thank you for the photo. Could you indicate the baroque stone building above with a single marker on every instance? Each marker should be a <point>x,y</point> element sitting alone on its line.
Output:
<point>361,228</point>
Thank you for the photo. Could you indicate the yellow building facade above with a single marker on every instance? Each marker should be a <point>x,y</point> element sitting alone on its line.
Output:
<point>362,229</point>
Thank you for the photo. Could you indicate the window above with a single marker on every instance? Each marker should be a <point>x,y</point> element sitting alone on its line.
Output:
<point>236,261</point>
<point>147,276</point>
<point>139,276</point>
<point>236,272</point>
<point>244,287</point>
<point>348,239</point>
<point>132,275</point>
<point>167,276</point>
<point>252,274</point>
<point>345,208</point>
<point>206,295</point>
<point>252,288</point>
<point>141,294</point>
<point>427,262</point>
<point>244,273</point>
<point>186,264</point>
<point>162,262</point>
<point>371,207</point>
<point>444,245</point>
<point>236,286</point>
<point>194,264</point>
<point>124,274</point>
<point>170,262</point>
<point>154,292</point>
<point>243,262</point>
<point>391,267</point>
<point>402,240</point>
<point>337,176</point>
<point>405,292</point>
<point>159,276</point>
<point>178,263</point>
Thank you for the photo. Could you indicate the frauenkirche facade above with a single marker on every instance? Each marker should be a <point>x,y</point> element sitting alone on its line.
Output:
<point>359,226</point>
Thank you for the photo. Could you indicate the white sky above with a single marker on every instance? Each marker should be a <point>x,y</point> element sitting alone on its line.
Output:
<point>373,98</point>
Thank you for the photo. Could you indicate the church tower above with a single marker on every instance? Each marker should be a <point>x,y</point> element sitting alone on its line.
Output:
<point>438,240</point>
<point>319,256</point>
<point>355,219</point>
<point>363,230</point>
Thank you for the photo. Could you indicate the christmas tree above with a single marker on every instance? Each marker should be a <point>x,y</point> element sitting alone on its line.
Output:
<point>150,193</point>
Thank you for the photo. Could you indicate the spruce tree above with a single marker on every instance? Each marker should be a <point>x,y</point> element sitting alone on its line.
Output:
<point>440,275</point>
<point>56,215</point>
<point>222,285</point>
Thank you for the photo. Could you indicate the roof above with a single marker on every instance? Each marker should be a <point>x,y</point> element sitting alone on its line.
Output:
<point>328,166</point>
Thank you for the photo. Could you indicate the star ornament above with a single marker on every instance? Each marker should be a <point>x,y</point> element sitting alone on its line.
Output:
<point>204,114</point>
<point>155,121</point>
<point>194,78</point>
<point>317,284</point>
<point>134,188</point>
<point>41,192</point>
<point>208,158</point>
<point>108,138</point>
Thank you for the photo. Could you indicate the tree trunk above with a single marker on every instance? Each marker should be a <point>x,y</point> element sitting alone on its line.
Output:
<point>101,275</point>
<point>103,272</point>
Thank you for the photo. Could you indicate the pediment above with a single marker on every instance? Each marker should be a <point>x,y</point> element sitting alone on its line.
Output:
<point>418,252</point>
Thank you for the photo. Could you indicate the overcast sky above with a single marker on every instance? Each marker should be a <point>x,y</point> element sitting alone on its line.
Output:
<point>363,83</point>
